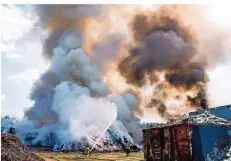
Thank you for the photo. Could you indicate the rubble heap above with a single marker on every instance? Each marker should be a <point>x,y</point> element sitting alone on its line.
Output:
<point>14,150</point>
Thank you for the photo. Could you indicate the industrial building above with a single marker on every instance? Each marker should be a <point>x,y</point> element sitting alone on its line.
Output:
<point>191,139</point>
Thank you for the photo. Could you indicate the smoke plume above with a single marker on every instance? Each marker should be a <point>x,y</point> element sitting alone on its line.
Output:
<point>72,102</point>
<point>58,18</point>
<point>169,52</point>
<point>161,53</point>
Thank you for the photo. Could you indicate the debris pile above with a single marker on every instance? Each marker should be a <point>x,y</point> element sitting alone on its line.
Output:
<point>208,119</point>
<point>205,118</point>
<point>14,150</point>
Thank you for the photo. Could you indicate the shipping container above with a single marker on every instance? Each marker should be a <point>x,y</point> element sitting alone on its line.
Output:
<point>206,137</point>
<point>192,139</point>
<point>168,143</point>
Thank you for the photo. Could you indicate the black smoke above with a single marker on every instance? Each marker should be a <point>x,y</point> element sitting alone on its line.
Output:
<point>165,45</point>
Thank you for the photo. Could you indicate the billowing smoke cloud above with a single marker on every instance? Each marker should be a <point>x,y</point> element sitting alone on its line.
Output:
<point>160,51</point>
<point>126,103</point>
<point>155,53</point>
<point>71,91</point>
<point>164,51</point>
<point>58,18</point>
<point>77,65</point>
<point>74,105</point>
<point>108,51</point>
<point>166,46</point>
<point>42,94</point>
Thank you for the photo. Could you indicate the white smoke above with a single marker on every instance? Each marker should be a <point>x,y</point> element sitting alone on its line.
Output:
<point>72,102</point>
<point>126,103</point>
<point>83,115</point>
<point>76,65</point>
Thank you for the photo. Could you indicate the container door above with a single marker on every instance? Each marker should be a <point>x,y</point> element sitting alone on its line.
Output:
<point>182,143</point>
<point>167,145</point>
<point>153,147</point>
<point>156,144</point>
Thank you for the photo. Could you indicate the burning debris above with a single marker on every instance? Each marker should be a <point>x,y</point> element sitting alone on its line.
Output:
<point>12,149</point>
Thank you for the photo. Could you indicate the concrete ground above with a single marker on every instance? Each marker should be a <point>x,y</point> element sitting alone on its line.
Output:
<point>115,156</point>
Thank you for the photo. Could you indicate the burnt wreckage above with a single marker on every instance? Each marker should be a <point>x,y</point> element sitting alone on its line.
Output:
<point>190,139</point>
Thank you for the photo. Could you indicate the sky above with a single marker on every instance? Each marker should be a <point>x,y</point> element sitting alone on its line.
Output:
<point>22,63</point>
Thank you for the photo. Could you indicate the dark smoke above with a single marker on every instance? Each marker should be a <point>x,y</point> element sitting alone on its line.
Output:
<point>160,51</point>
<point>157,103</point>
<point>187,76</point>
<point>42,94</point>
<point>165,45</point>
<point>107,51</point>
<point>51,42</point>
<point>44,86</point>
<point>58,18</point>
<point>142,26</point>
<point>200,100</point>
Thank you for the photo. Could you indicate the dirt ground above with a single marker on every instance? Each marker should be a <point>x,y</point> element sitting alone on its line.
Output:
<point>115,156</point>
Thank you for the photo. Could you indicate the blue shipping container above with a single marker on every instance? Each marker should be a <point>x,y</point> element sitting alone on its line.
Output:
<point>206,137</point>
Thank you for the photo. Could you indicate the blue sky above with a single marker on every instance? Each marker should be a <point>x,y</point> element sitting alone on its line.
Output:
<point>22,63</point>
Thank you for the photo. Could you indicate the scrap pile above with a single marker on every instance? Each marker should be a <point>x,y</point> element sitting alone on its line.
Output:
<point>13,149</point>
<point>206,118</point>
